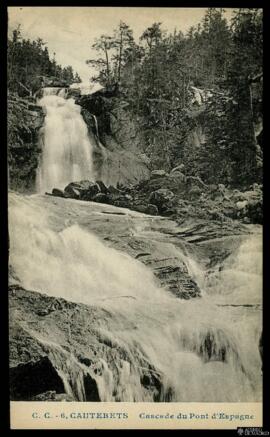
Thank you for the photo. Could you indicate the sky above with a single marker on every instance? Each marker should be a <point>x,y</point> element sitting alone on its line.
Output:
<point>70,31</point>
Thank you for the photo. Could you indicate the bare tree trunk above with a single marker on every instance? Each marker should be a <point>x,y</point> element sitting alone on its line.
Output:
<point>252,113</point>
<point>27,89</point>
<point>184,93</point>
<point>164,140</point>
<point>120,57</point>
<point>107,65</point>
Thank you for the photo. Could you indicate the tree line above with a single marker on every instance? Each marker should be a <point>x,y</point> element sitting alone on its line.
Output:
<point>157,73</point>
<point>29,65</point>
<point>214,53</point>
<point>155,76</point>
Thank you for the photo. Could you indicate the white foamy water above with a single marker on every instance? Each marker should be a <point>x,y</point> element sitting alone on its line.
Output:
<point>66,147</point>
<point>202,351</point>
<point>239,278</point>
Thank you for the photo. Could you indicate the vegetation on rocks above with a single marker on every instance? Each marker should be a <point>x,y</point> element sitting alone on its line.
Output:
<point>29,66</point>
<point>25,119</point>
<point>168,99</point>
<point>174,195</point>
<point>176,138</point>
<point>208,80</point>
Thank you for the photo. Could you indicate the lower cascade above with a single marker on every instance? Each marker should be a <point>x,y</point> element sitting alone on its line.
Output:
<point>145,344</point>
<point>135,217</point>
<point>66,147</point>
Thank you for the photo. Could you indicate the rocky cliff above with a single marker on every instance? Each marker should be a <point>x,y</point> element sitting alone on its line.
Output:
<point>203,136</point>
<point>202,139</point>
<point>119,155</point>
<point>73,365</point>
<point>25,119</point>
<point>91,352</point>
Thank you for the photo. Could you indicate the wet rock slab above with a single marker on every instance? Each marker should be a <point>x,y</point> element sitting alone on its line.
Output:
<point>61,350</point>
<point>134,233</point>
<point>72,343</point>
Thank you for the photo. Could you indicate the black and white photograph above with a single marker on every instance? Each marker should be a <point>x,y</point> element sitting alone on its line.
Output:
<point>135,177</point>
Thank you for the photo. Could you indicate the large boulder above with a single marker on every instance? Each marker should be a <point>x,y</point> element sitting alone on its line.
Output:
<point>196,180</point>
<point>179,175</point>
<point>121,202</point>
<point>179,168</point>
<point>113,190</point>
<point>92,191</point>
<point>101,198</point>
<point>194,192</point>
<point>161,197</point>
<point>84,190</point>
<point>151,209</point>
<point>72,191</point>
<point>58,193</point>
<point>255,211</point>
<point>102,187</point>
<point>241,204</point>
<point>139,207</point>
<point>158,174</point>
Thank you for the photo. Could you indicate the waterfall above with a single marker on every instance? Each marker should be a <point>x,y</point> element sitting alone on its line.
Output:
<point>200,350</point>
<point>66,148</point>
<point>239,278</point>
<point>96,126</point>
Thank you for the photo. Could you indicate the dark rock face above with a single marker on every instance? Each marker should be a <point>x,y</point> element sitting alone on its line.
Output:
<point>25,120</point>
<point>30,379</point>
<point>175,196</point>
<point>118,156</point>
<point>91,389</point>
<point>70,360</point>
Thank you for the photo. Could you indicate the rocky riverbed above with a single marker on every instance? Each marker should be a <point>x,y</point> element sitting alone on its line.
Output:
<point>102,298</point>
<point>174,195</point>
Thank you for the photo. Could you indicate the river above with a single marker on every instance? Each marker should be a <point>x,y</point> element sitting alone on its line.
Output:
<point>206,349</point>
<point>202,349</point>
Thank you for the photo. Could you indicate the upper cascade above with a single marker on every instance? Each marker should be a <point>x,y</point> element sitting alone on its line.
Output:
<point>66,146</point>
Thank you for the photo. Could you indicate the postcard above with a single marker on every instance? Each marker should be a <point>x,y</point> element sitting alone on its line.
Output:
<point>135,153</point>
